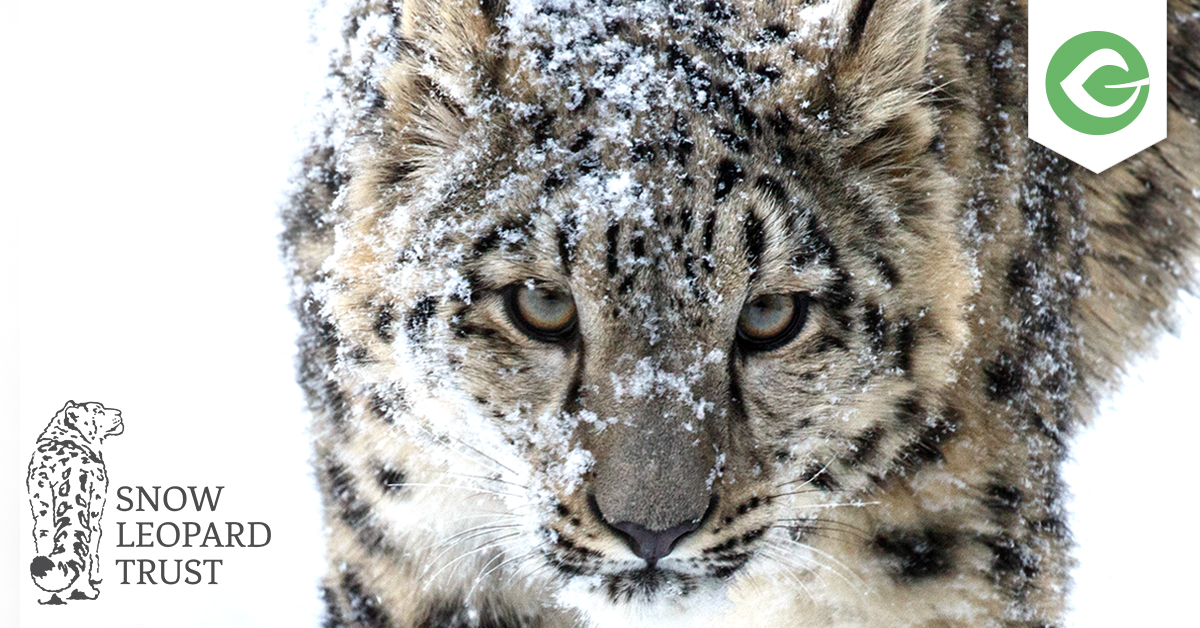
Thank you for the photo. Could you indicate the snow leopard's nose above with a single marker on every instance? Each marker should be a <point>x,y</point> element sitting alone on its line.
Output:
<point>651,545</point>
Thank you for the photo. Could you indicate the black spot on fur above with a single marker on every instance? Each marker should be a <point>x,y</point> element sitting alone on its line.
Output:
<point>491,9</point>
<point>822,248</point>
<point>755,238</point>
<point>642,153</point>
<point>626,284</point>
<point>748,505</point>
<point>681,139</point>
<point>863,446</point>
<point>356,513</point>
<point>565,236</point>
<point>819,477</point>
<point>1020,274</point>
<point>581,141</point>
<point>909,411</point>
<point>333,615</point>
<point>768,72</point>
<point>707,38</point>
<point>1003,377</point>
<point>1056,431</point>
<point>874,326</point>
<point>774,33</point>
<point>926,448</point>
<point>509,234</point>
<point>910,556</point>
<point>728,174</point>
<point>1010,557</point>
<point>710,230</point>
<point>390,478</point>
<point>588,164</point>
<point>638,246</point>
<point>384,317</point>
<point>543,127</point>
<point>829,342</point>
<point>1003,500</point>
<point>420,314</point>
<point>906,342</point>
<point>613,235</point>
<point>773,188</point>
<point>363,607</point>
<point>886,269</point>
<point>685,220</point>
<point>718,10</point>
<point>554,180</point>
<point>731,139</point>
<point>398,171</point>
<point>838,298</point>
<point>858,23</point>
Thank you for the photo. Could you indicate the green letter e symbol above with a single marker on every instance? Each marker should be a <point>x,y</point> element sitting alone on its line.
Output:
<point>1097,83</point>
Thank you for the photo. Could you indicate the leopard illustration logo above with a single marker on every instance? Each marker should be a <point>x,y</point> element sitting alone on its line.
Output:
<point>67,484</point>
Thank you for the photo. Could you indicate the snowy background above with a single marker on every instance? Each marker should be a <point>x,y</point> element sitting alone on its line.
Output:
<point>153,141</point>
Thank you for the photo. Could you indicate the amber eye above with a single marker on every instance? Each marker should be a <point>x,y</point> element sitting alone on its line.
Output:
<point>542,313</point>
<point>770,321</point>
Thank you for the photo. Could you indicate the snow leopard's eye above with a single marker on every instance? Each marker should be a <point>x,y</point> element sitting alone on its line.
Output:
<point>542,313</point>
<point>770,321</point>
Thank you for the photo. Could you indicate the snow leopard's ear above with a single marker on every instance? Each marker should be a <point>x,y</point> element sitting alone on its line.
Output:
<point>451,34</point>
<point>442,63</point>
<point>884,47</point>
<point>879,76</point>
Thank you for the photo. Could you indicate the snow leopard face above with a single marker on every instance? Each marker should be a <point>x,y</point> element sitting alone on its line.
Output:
<point>664,268</point>
<point>90,421</point>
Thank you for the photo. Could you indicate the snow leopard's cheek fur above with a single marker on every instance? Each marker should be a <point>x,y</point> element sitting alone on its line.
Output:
<point>652,414</point>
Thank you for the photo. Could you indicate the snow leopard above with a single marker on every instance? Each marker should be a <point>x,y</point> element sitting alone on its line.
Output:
<point>713,313</point>
<point>67,483</point>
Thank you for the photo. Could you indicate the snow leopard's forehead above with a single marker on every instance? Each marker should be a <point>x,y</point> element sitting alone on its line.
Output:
<point>624,131</point>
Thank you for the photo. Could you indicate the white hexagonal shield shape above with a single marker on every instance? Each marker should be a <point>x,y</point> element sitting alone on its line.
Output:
<point>1097,78</point>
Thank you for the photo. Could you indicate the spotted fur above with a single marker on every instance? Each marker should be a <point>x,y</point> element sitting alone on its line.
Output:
<point>972,297</point>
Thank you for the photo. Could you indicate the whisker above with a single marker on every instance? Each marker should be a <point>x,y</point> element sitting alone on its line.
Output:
<point>809,480</point>
<point>831,559</point>
<point>850,537</point>
<point>483,575</point>
<point>789,571</point>
<point>470,532</point>
<point>835,522</point>
<point>487,546</point>
<point>476,489</point>
<point>487,478</point>
<point>855,504</point>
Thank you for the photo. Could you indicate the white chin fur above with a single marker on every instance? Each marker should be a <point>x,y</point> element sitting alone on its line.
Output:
<point>697,610</point>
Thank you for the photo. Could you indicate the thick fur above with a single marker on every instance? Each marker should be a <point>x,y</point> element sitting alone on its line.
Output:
<point>973,297</point>
<point>67,484</point>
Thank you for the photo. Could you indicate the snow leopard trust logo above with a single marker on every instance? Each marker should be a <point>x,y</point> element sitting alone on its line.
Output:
<point>1097,78</point>
<point>67,483</point>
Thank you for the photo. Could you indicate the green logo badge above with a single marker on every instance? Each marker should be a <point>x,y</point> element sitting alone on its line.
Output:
<point>1097,83</point>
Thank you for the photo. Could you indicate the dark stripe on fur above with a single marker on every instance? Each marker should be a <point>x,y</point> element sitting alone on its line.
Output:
<point>913,555</point>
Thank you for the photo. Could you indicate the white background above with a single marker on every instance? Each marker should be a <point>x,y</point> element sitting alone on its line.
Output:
<point>146,147</point>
